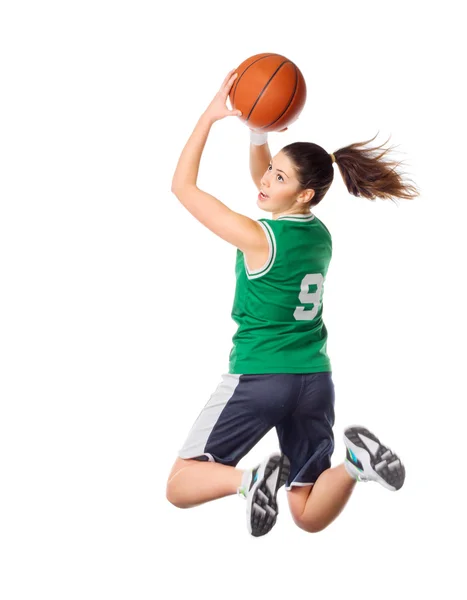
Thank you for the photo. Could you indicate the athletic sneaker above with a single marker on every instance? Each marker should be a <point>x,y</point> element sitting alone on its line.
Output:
<point>260,486</point>
<point>368,460</point>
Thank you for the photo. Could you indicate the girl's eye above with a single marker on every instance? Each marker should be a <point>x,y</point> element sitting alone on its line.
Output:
<point>279,176</point>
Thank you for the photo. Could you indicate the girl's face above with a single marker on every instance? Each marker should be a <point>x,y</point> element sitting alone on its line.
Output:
<point>280,189</point>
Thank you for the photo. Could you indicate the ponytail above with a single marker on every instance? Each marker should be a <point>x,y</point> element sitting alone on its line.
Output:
<point>367,172</point>
<point>371,174</point>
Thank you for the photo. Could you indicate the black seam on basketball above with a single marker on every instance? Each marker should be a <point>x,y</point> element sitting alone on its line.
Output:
<point>238,80</point>
<point>290,102</point>
<point>264,88</point>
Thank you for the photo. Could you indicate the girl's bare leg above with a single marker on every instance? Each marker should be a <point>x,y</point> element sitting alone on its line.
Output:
<point>192,482</point>
<point>314,507</point>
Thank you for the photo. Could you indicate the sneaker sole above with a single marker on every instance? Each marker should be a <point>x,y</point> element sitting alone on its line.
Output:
<point>262,509</point>
<point>390,475</point>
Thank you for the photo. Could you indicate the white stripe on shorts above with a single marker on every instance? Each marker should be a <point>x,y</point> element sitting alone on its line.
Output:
<point>197,438</point>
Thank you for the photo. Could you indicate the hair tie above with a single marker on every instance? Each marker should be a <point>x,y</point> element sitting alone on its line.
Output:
<point>333,158</point>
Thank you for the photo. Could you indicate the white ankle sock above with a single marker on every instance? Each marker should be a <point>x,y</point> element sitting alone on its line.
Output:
<point>351,470</point>
<point>246,478</point>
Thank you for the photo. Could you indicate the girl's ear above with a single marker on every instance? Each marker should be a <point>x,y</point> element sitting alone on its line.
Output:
<point>305,196</point>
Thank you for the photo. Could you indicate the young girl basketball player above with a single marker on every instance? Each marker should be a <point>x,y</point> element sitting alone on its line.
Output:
<point>279,373</point>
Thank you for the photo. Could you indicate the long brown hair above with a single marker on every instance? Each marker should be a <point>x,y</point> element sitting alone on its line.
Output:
<point>368,172</point>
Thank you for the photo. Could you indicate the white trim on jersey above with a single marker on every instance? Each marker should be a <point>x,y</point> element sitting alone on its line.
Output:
<point>296,218</point>
<point>271,257</point>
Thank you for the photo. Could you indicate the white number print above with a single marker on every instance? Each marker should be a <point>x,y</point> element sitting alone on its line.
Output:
<point>306,297</point>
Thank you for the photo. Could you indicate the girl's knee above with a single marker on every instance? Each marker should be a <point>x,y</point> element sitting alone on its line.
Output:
<point>298,498</point>
<point>175,499</point>
<point>174,488</point>
<point>173,495</point>
<point>308,525</point>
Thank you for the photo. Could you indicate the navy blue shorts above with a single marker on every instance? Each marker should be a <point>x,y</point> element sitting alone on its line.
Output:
<point>245,407</point>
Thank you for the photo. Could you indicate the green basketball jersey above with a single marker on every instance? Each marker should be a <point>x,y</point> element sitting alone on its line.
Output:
<point>279,307</point>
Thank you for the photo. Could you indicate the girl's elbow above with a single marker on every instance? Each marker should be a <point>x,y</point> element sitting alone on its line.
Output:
<point>179,189</point>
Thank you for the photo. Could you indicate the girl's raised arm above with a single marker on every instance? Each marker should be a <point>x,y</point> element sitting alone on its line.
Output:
<point>239,230</point>
<point>260,157</point>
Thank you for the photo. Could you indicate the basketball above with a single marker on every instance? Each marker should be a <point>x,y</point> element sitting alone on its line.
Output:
<point>270,91</point>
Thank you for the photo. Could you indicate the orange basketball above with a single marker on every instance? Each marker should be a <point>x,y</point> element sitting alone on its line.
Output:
<point>270,91</point>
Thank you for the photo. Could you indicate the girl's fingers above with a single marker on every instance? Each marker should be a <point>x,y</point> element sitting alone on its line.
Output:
<point>233,78</point>
<point>229,75</point>
<point>229,85</point>
<point>228,81</point>
<point>233,113</point>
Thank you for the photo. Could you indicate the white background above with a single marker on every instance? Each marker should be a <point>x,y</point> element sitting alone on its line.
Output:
<point>115,303</point>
